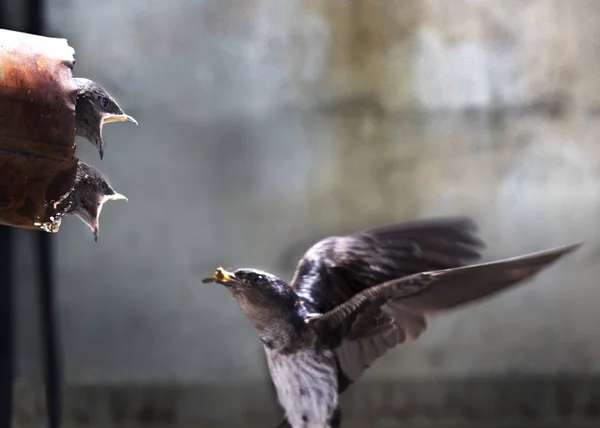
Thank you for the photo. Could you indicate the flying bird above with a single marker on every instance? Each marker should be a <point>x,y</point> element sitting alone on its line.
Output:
<point>354,297</point>
<point>95,107</point>
<point>89,193</point>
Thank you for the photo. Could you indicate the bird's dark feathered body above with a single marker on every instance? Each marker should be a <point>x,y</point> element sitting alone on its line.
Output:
<point>86,199</point>
<point>94,108</point>
<point>354,297</point>
<point>304,372</point>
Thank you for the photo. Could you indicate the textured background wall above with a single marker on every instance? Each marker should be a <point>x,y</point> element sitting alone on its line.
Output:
<point>266,125</point>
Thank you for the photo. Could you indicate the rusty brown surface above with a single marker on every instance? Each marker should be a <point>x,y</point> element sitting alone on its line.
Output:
<point>37,127</point>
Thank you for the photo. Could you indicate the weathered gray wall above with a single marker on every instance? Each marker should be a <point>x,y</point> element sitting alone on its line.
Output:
<point>267,124</point>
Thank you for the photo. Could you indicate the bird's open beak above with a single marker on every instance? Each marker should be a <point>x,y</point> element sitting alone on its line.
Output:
<point>110,118</point>
<point>221,276</point>
<point>116,197</point>
<point>95,225</point>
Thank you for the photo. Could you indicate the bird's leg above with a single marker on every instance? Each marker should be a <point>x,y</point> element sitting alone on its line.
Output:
<point>62,198</point>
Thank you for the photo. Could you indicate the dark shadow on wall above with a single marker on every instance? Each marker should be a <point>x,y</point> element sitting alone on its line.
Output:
<point>27,16</point>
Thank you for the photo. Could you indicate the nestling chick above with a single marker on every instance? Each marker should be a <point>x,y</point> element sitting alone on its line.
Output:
<point>355,297</point>
<point>90,192</point>
<point>94,108</point>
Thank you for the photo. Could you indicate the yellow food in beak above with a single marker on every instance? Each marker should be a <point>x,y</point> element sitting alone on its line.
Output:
<point>221,275</point>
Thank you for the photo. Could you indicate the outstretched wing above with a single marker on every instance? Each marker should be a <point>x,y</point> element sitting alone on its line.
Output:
<point>359,338</point>
<point>337,268</point>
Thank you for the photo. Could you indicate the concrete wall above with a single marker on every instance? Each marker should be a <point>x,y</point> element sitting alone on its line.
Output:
<point>266,125</point>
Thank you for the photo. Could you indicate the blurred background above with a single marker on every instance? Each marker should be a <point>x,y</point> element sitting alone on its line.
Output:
<point>266,125</point>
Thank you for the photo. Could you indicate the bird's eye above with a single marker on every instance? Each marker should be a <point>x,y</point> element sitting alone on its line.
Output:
<point>105,188</point>
<point>104,102</point>
<point>259,279</point>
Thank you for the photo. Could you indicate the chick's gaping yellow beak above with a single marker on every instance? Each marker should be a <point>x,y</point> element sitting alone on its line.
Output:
<point>116,197</point>
<point>221,275</point>
<point>109,118</point>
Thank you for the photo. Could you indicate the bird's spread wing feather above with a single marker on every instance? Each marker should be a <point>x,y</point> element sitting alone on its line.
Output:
<point>337,268</point>
<point>360,339</point>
